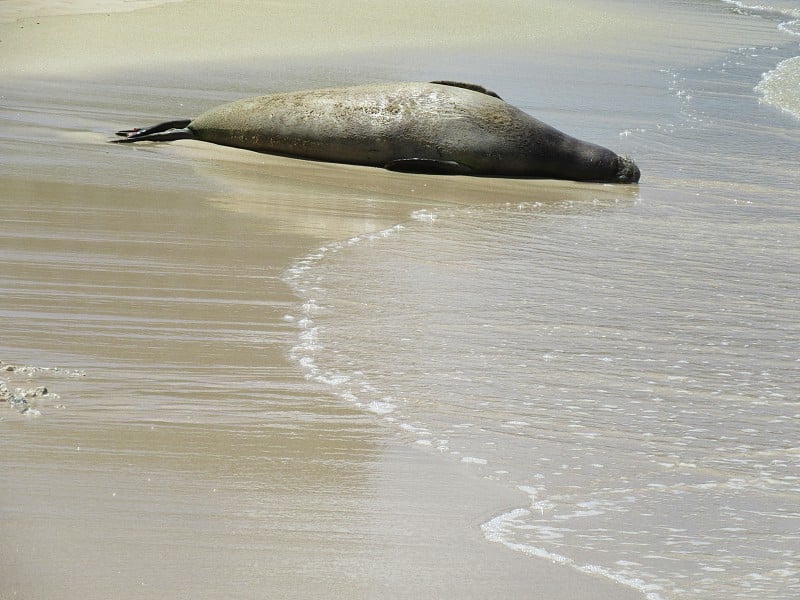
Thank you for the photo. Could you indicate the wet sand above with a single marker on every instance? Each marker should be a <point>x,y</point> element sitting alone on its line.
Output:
<point>178,451</point>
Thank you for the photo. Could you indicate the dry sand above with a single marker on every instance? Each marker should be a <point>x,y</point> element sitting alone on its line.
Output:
<point>201,31</point>
<point>15,11</point>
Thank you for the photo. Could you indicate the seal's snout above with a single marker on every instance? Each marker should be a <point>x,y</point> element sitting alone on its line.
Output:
<point>628,171</point>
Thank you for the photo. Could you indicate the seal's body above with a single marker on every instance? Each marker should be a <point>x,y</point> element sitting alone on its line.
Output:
<point>440,127</point>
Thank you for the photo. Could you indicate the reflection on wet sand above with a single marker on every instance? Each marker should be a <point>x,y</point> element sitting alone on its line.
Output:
<point>192,457</point>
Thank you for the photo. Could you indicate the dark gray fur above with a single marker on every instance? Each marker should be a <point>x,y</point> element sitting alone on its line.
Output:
<point>437,127</point>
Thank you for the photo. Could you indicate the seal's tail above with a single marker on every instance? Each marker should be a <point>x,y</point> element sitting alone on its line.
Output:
<point>163,132</point>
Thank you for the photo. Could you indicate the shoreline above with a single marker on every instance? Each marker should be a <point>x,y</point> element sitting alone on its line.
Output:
<point>160,271</point>
<point>184,423</point>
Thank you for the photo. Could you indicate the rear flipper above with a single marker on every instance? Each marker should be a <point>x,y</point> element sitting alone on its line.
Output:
<point>427,165</point>
<point>163,132</point>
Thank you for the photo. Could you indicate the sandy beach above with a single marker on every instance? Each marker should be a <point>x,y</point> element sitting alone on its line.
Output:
<point>185,455</point>
<point>183,446</point>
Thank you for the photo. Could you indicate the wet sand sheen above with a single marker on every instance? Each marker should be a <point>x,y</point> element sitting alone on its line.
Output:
<point>191,455</point>
<point>187,455</point>
<point>190,445</point>
<point>193,458</point>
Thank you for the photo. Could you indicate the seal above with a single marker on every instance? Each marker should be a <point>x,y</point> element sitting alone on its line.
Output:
<point>443,127</point>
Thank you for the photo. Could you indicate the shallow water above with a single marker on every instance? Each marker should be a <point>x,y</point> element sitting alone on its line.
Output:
<point>628,360</point>
<point>177,447</point>
<point>641,390</point>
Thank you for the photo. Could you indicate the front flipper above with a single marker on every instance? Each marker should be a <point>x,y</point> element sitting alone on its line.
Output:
<point>469,86</point>
<point>427,165</point>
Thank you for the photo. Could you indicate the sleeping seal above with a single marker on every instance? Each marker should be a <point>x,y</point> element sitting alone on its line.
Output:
<point>439,127</point>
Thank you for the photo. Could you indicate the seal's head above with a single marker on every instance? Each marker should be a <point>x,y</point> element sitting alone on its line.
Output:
<point>627,171</point>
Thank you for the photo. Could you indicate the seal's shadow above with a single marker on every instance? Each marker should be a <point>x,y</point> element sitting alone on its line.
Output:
<point>337,200</point>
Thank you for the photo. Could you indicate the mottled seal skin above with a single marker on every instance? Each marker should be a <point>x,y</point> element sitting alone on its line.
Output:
<point>437,127</point>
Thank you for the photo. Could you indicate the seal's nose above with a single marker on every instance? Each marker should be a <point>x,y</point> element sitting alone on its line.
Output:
<point>628,172</point>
